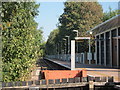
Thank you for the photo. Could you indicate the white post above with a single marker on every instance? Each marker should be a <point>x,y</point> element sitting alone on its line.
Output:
<point>96,49</point>
<point>58,51</point>
<point>104,49</point>
<point>76,42</point>
<point>117,50</point>
<point>111,48</point>
<point>99,50</point>
<point>68,45</point>
<point>89,47</point>
<point>61,50</point>
<point>64,50</point>
<point>72,54</point>
<point>89,55</point>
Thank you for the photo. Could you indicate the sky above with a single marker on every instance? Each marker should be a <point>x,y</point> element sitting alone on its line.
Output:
<point>49,13</point>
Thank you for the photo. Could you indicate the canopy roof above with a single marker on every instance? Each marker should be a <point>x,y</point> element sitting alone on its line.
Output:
<point>109,24</point>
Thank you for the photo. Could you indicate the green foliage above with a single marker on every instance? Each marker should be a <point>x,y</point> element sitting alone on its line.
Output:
<point>20,38</point>
<point>51,42</point>
<point>81,16</point>
<point>110,14</point>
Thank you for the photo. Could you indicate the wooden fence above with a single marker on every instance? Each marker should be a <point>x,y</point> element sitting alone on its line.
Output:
<point>58,83</point>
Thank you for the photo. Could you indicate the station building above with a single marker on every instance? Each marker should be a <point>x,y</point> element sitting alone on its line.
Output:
<point>107,42</point>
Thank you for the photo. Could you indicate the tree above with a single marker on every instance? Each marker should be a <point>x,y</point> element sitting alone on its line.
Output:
<point>81,16</point>
<point>21,39</point>
<point>111,13</point>
<point>51,42</point>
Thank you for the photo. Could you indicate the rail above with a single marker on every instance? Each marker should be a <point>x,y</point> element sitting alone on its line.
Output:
<point>51,67</point>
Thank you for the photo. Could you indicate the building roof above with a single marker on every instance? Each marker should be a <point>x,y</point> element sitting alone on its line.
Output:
<point>109,24</point>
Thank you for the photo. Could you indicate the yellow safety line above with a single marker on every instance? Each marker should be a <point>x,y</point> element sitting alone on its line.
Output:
<point>81,68</point>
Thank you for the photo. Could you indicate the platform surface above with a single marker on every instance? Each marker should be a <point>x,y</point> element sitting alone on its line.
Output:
<point>92,70</point>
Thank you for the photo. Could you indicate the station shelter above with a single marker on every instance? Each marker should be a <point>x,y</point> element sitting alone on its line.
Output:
<point>107,42</point>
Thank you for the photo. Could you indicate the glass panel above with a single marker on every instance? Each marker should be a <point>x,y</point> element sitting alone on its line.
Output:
<point>107,48</point>
<point>107,35</point>
<point>119,53</point>
<point>119,31</point>
<point>97,49</point>
<point>114,33</point>
<point>102,49</point>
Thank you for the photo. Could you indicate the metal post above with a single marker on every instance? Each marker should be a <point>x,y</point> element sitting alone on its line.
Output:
<point>104,49</point>
<point>117,49</point>
<point>68,45</point>
<point>99,50</point>
<point>91,85</point>
<point>111,48</point>
<point>58,50</point>
<point>68,48</point>
<point>96,45</point>
<point>89,47</point>
<point>61,50</point>
<point>65,50</point>
<point>72,54</point>
<point>89,52</point>
<point>76,42</point>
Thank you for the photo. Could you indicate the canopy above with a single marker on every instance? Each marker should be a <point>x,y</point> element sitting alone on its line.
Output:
<point>107,25</point>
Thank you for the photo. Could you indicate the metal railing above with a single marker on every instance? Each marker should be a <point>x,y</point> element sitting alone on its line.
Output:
<point>79,57</point>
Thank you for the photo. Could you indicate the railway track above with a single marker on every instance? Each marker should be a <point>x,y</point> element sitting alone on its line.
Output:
<point>49,65</point>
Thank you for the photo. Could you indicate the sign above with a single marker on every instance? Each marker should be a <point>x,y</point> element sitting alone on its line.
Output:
<point>89,56</point>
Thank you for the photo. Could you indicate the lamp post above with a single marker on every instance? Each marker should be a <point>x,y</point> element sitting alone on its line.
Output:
<point>77,36</point>
<point>76,31</point>
<point>60,49</point>
<point>90,55</point>
<point>65,48</point>
<point>55,51</point>
<point>68,52</point>
<point>89,43</point>
<point>68,43</point>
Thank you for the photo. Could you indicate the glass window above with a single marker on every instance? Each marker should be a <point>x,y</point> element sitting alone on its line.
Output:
<point>114,33</point>
<point>102,49</point>
<point>119,31</point>
<point>107,35</point>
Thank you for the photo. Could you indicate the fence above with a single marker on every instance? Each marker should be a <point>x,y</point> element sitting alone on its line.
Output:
<point>57,83</point>
<point>79,57</point>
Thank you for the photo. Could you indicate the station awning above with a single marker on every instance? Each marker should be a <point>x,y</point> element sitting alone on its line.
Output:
<point>107,25</point>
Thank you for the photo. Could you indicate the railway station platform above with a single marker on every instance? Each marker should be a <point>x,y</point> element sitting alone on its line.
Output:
<point>92,70</point>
